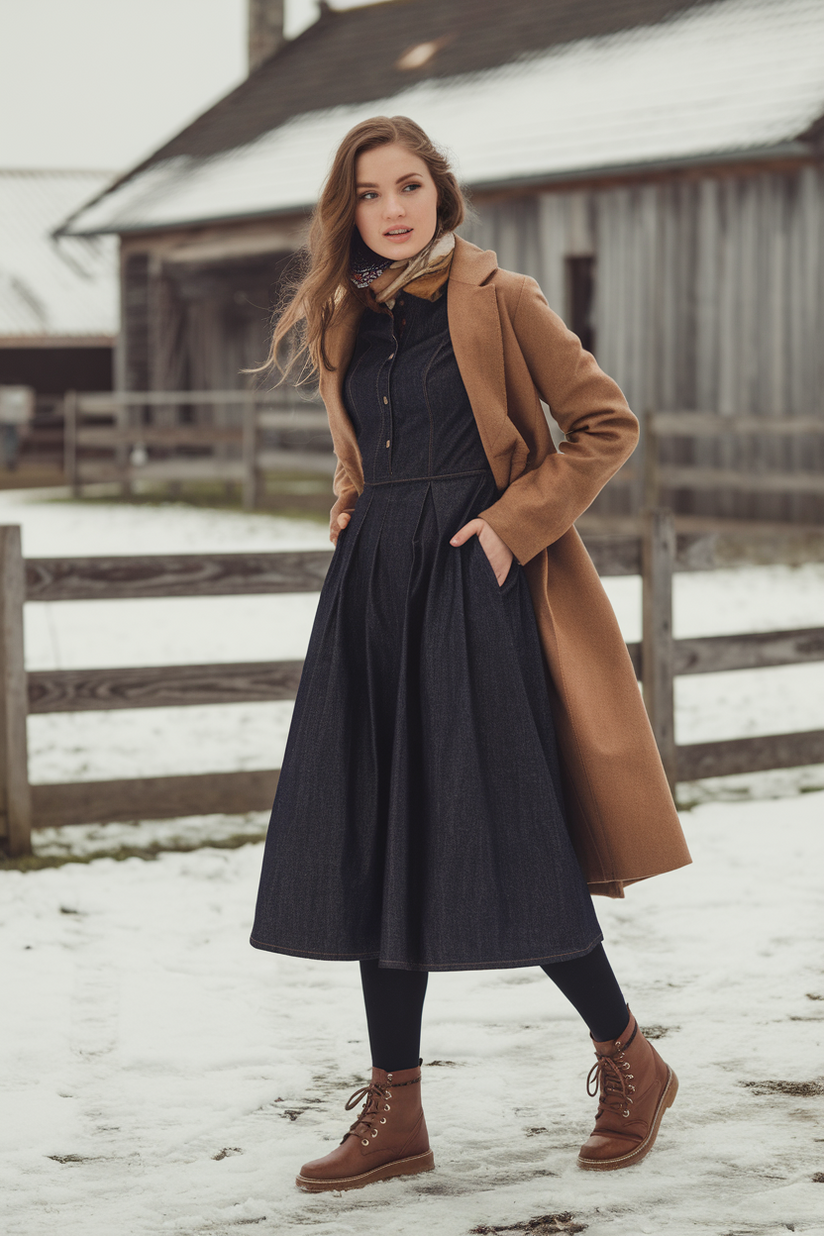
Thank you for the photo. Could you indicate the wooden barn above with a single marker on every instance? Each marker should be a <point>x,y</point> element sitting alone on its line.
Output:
<point>658,166</point>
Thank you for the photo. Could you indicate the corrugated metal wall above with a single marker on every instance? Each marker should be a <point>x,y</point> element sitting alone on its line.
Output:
<point>709,296</point>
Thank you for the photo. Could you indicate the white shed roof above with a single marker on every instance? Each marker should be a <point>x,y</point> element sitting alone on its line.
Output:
<point>51,290</point>
<point>720,80</point>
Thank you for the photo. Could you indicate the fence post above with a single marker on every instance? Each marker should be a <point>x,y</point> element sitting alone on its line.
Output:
<point>70,441</point>
<point>658,564</point>
<point>652,488</point>
<point>15,795</point>
<point>250,477</point>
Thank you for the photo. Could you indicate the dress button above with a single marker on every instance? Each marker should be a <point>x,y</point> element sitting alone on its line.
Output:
<point>387,441</point>
<point>385,400</point>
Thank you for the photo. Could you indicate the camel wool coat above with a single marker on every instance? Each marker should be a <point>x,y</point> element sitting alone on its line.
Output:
<point>512,351</point>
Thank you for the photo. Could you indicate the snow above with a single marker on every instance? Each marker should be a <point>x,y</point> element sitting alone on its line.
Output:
<point>719,79</point>
<point>46,288</point>
<point>159,1075</point>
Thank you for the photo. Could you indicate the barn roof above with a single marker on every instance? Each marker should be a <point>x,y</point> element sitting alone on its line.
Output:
<point>552,89</point>
<point>53,291</point>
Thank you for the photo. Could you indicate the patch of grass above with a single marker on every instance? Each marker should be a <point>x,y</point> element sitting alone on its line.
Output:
<point>289,495</point>
<point>39,862</point>
<point>801,1090</point>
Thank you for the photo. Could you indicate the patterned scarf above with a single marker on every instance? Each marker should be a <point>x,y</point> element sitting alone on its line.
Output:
<point>423,275</point>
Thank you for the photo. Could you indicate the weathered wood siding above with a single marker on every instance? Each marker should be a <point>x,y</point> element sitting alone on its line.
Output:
<point>709,296</point>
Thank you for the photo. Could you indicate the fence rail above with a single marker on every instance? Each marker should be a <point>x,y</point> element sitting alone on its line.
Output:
<point>230,447</point>
<point>657,658</point>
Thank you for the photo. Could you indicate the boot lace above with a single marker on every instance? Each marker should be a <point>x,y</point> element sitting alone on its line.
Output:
<point>375,1103</point>
<point>611,1079</point>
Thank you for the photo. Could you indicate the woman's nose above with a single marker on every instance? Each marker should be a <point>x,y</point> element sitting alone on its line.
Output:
<point>394,207</point>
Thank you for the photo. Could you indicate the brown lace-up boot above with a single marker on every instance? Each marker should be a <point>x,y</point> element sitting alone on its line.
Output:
<point>635,1089</point>
<point>389,1137</point>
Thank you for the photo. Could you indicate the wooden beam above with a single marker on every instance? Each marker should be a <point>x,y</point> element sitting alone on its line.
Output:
<point>157,435</point>
<point>297,461</point>
<point>717,653</point>
<point>292,418</point>
<point>747,755</point>
<point>175,575</point>
<point>711,424</point>
<point>727,478</point>
<point>621,554</point>
<point>152,798</point>
<point>168,686</point>
<point>104,401</point>
<point>656,641</point>
<point>180,469</point>
<point>15,801</point>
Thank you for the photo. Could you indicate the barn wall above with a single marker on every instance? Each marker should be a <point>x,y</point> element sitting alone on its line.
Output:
<point>709,295</point>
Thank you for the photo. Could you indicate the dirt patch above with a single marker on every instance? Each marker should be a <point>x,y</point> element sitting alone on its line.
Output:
<point>800,1090</point>
<point>658,1032</point>
<point>541,1225</point>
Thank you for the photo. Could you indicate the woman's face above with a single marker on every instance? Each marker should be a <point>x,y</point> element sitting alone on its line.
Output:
<point>397,201</point>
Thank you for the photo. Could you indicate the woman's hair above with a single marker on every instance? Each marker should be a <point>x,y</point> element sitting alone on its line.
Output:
<point>323,290</point>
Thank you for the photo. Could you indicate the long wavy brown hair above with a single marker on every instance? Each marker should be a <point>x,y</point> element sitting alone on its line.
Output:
<point>321,293</point>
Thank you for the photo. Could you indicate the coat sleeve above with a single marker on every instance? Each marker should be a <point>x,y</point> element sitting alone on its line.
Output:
<point>347,495</point>
<point>601,432</point>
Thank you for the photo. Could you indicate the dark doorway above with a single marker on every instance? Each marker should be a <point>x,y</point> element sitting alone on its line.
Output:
<point>580,299</point>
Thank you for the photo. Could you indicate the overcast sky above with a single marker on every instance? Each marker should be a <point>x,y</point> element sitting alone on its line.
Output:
<point>101,83</point>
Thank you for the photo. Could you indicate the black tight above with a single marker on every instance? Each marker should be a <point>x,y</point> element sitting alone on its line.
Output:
<point>394,1004</point>
<point>394,1008</point>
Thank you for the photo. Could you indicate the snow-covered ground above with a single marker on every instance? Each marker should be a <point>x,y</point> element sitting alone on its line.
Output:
<point>158,1075</point>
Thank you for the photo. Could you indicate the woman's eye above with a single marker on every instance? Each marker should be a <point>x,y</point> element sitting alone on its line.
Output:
<point>412,186</point>
<point>365,197</point>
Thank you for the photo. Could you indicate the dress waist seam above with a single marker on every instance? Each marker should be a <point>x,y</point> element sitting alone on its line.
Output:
<point>440,476</point>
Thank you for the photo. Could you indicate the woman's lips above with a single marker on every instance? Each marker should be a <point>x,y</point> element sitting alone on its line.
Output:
<point>399,235</point>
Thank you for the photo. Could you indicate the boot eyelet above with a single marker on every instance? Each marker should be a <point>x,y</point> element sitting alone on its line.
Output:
<point>364,1141</point>
<point>374,1133</point>
<point>383,1120</point>
<point>389,1077</point>
<point>389,1094</point>
<point>386,1107</point>
<point>623,1113</point>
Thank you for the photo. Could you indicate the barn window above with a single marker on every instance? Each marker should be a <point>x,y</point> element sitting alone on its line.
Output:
<point>580,299</point>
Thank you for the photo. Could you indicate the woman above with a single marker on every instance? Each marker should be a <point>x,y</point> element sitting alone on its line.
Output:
<point>424,818</point>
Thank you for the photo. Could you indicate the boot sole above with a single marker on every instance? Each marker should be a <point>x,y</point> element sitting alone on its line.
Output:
<point>635,1156</point>
<point>400,1167</point>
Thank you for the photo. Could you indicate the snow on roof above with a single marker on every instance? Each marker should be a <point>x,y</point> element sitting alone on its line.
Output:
<point>51,289</point>
<point>720,79</point>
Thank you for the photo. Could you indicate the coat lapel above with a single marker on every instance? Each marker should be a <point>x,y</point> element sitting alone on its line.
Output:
<point>475,330</point>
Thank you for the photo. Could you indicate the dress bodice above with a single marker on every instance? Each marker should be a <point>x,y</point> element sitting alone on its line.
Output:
<point>405,395</point>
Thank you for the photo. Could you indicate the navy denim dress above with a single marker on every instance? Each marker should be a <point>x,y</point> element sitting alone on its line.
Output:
<point>419,818</point>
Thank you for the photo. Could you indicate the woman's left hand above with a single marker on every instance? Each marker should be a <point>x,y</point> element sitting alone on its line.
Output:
<point>499,554</point>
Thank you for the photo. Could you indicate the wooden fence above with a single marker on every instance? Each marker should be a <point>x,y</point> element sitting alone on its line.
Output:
<point>689,454</point>
<point>108,437</point>
<point>656,553</point>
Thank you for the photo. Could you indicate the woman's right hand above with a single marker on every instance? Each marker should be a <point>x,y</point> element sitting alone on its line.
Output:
<point>342,521</point>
